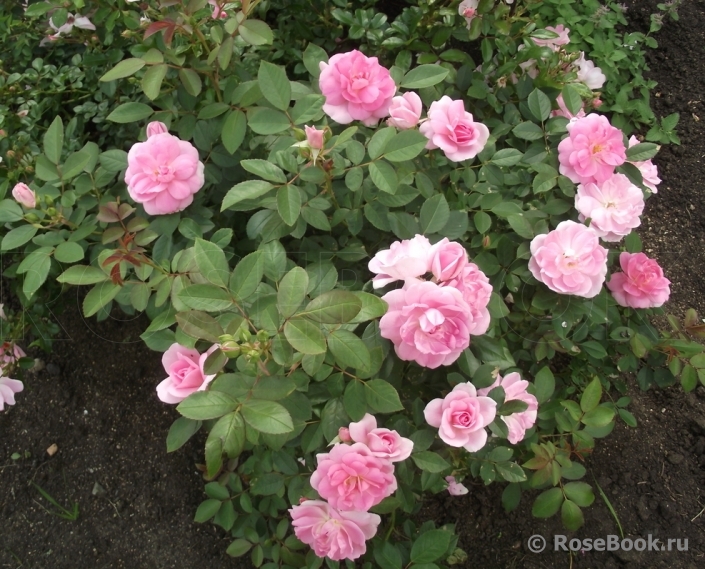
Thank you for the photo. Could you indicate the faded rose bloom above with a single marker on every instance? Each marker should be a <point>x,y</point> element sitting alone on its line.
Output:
<point>461,417</point>
<point>468,10</point>
<point>447,259</point>
<point>564,112</point>
<point>614,206</point>
<point>314,137</point>
<point>516,388</point>
<point>356,87</point>
<point>185,367</point>
<point>8,388</point>
<point>555,43</point>
<point>332,533</point>
<point>72,22</point>
<point>588,73</point>
<point>569,260</point>
<point>649,170</point>
<point>382,442</point>
<point>156,127</point>
<point>24,195</point>
<point>403,260</point>
<point>641,285</point>
<point>455,488</point>
<point>591,151</point>
<point>452,129</point>
<point>405,111</point>
<point>476,289</point>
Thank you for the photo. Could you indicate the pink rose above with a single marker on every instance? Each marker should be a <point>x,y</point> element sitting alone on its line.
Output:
<point>452,129</point>
<point>564,112</point>
<point>314,137</point>
<point>589,74</point>
<point>649,171</point>
<point>592,150</point>
<point>356,88</point>
<point>555,43</point>
<point>515,388</point>
<point>186,373</point>
<point>641,285</point>
<point>10,353</point>
<point>405,111</point>
<point>614,206</point>
<point>156,127</point>
<point>569,260</point>
<point>455,488</point>
<point>403,260</point>
<point>351,477</point>
<point>382,442</point>
<point>8,388</point>
<point>163,174</point>
<point>468,10</point>
<point>476,289</point>
<point>344,435</point>
<point>427,323</point>
<point>461,417</point>
<point>447,259</point>
<point>332,533</point>
<point>24,195</point>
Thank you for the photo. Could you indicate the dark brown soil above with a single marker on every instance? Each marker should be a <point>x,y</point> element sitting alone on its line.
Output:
<point>96,401</point>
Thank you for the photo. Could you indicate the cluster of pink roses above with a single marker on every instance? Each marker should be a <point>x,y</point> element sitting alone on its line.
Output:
<point>350,479</point>
<point>357,87</point>
<point>430,322</point>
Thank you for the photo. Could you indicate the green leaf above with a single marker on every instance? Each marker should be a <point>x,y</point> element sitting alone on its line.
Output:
<point>123,69</point>
<point>180,432</point>
<point>267,121</point>
<point>274,84</point>
<point>264,169</point>
<point>82,275</point>
<point>591,396</point>
<point>354,400</point>
<point>434,214</point>
<point>230,429</point>
<point>267,417</point>
<point>113,160</point>
<point>206,510</point>
<point>424,76</point>
<point>10,211</point>
<point>17,237</point>
<point>379,141</point>
<point>305,336</point>
<point>267,484</point>
<point>572,99</point>
<point>211,262</point>
<point>372,307</point>
<point>333,307</point>
<point>572,515</point>
<point>204,405</point>
<point>333,417</point>
<point>200,325</point>
<point>507,157</point>
<point>382,396</point>
<point>510,471</point>
<point>387,556</point>
<point>234,130</point>
<point>246,276</point>
<point>75,164</point>
<point>68,252</point>
<point>98,297</point>
<point>130,112</point>
<point>308,108</point>
<point>547,503</point>
<point>493,352</point>
<point>539,105</point>
<point>579,492</point>
<point>205,297</point>
<point>384,176</point>
<point>152,80</point>
<point>430,461</point>
<point>35,268</point>
<point>238,548</point>
<point>212,110</point>
<point>292,291</point>
<point>248,190</point>
<point>256,32</point>
<point>54,140</point>
<point>545,384</point>
<point>430,546</point>
<point>521,226</point>
<point>351,351</point>
<point>312,57</point>
<point>406,145</point>
<point>528,131</point>
<point>598,417</point>
<point>289,204</point>
<point>191,81</point>
<point>642,151</point>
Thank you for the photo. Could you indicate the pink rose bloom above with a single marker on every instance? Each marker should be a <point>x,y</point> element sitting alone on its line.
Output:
<point>515,388</point>
<point>403,260</point>
<point>641,285</point>
<point>351,477</point>
<point>452,129</point>
<point>163,174</point>
<point>589,74</point>
<point>427,323</point>
<point>555,43</point>
<point>8,388</point>
<point>455,488</point>
<point>564,112</point>
<point>461,417</point>
<point>405,111</point>
<point>591,151</point>
<point>447,259</point>
<point>569,260</point>
<point>218,11</point>
<point>156,127</point>
<point>613,207</point>
<point>24,195</point>
<point>476,289</point>
<point>10,354</point>
<point>186,374</point>
<point>332,533</point>
<point>468,10</point>
<point>382,442</point>
<point>314,137</point>
<point>356,88</point>
<point>649,171</point>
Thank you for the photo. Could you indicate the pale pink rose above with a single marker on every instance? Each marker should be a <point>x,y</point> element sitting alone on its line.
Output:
<point>569,260</point>
<point>344,435</point>
<point>597,103</point>
<point>403,260</point>
<point>564,112</point>
<point>641,285</point>
<point>71,22</point>
<point>314,137</point>
<point>515,388</point>
<point>218,12</point>
<point>8,388</point>
<point>427,323</point>
<point>382,442</point>
<point>351,477</point>
<point>589,74</point>
<point>405,111</point>
<point>185,367</point>
<point>614,206</point>
<point>331,533</point>
<point>163,174</point>
<point>592,150</point>
<point>24,195</point>
<point>447,259</point>
<point>455,488</point>
<point>555,43</point>
<point>461,417</point>
<point>452,129</point>
<point>10,353</point>
<point>468,10</point>
<point>649,171</point>
<point>476,289</point>
<point>156,127</point>
<point>356,88</point>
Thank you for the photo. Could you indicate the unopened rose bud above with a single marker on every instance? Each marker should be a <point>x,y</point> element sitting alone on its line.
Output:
<point>51,211</point>
<point>486,241</point>
<point>405,111</point>
<point>48,200</point>
<point>24,195</point>
<point>156,127</point>
<point>231,349</point>
<point>32,217</point>
<point>314,137</point>
<point>344,435</point>
<point>597,103</point>
<point>244,335</point>
<point>23,113</point>
<point>302,499</point>
<point>262,336</point>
